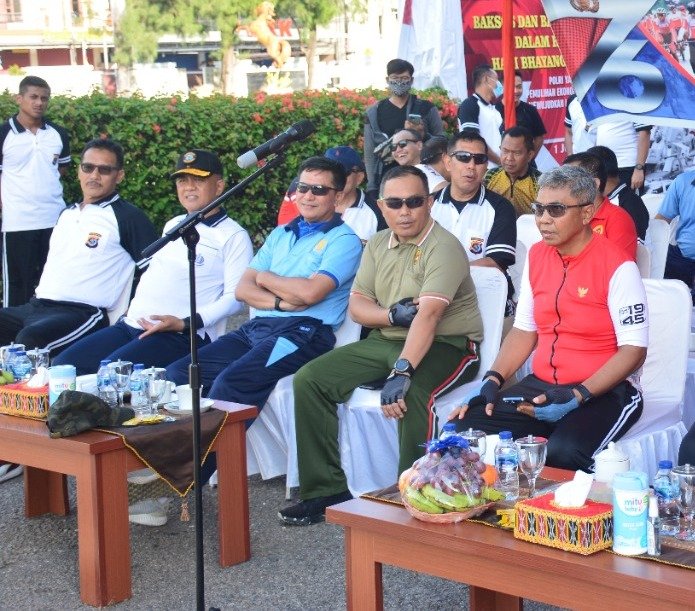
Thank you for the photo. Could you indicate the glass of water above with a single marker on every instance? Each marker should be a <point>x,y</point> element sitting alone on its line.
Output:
<point>119,372</point>
<point>686,499</point>
<point>156,385</point>
<point>532,453</point>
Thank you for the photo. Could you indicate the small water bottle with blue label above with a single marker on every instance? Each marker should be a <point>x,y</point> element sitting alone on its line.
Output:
<point>507,465</point>
<point>21,366</point>
<point>138,390</point>
<point>105,388</point>
<point>666,490</point>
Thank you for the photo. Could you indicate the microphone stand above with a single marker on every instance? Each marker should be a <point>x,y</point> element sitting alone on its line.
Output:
<point>189,234</point>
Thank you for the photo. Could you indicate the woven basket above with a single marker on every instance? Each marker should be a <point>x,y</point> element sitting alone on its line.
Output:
<point>18,400</point>
<point>450,517</point>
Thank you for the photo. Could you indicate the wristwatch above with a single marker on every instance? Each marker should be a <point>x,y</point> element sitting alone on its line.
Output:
<point>639,166</point>
<point>403,367</point>
<point>584,392</point>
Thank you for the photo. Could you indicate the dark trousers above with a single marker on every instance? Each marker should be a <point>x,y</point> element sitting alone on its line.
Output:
<point>43,323</point>
<point>243,366</point>
<point>574,439</point>
<point>625,175</point>
<point>679,267</point>
<point>121,341</point>
<point>24,255</point>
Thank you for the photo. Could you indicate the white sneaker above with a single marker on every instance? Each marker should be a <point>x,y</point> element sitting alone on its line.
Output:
<point>143,476</point>
<point>150,512</point>
<point>9,470</point>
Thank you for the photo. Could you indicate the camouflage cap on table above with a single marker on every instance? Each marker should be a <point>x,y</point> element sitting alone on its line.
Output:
<point>74,411</point>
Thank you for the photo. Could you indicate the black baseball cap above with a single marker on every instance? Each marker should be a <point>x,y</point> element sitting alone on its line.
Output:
<point>198,162</point>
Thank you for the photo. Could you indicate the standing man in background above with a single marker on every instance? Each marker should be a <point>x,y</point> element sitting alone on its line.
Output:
<point>400,110</point>
<point>34,154</point>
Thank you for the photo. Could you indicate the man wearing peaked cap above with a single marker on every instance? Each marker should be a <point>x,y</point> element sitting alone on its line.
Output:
<point>363,217</point>
<point>155,330</point>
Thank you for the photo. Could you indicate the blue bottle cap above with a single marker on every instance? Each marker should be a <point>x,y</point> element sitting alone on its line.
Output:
<point>665,464</point>
<point>505,434</point>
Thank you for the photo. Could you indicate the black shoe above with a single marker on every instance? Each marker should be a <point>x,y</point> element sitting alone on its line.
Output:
<point>312,511</point>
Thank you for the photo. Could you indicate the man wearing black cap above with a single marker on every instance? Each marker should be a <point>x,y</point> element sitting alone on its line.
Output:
<point>154,331</point>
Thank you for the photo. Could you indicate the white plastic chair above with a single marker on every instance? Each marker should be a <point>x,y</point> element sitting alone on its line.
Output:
<point>658,433</point>
<point>121,306</point>
<point>657,240</point>
<point>516,271</point>
<point>270,440</point>
<point>369,441</point>
<point>644,259</point>
<point>527,231</point>
<point>653,202</point>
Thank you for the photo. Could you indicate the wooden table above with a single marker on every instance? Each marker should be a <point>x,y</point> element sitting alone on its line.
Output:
<point>100,463</point>
<point>499,569</point>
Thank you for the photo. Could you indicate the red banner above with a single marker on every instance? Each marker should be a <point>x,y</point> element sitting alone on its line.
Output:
<point>536,55</point>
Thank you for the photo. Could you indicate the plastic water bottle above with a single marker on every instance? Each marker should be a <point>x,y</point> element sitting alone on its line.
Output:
<point>666,489</point>
<point>138,389</point>
<point>21,366</point>
<point>507,465</point>
<point>10,359</point>
<point>448,430</point>
<point>105,389</point>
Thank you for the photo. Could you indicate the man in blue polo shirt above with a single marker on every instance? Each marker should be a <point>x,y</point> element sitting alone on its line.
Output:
<point>298,283</point>
<point>680,202</point>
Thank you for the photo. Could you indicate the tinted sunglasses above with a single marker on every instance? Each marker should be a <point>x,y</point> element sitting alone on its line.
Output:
<point>554,210</point>
<point>104,170</point>
<point>465,157</point>
<point>396,203</point>
<point>401,144</point>
<point>317,190</point>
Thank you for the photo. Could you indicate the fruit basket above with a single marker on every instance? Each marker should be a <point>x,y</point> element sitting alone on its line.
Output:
<point>447,485</point>
<point>20,400</point>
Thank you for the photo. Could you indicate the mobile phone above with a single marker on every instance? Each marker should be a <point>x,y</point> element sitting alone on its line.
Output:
<point>417,119</point>
<point>513,399</point>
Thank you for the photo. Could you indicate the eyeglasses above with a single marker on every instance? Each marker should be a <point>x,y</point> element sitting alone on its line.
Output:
<point>401,144</point>
<point>466,157</point>
<point>317,190</point>
<point>554,210</point>
<point>396,203</point>
<point>104,170</point>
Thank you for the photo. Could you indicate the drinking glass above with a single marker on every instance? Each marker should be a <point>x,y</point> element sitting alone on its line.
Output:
<point>686,499</point>
<point>119,372</point>
<point>477,441</point>
<point>156,385</point>
<point>532,453</point>
<point>38,358</point>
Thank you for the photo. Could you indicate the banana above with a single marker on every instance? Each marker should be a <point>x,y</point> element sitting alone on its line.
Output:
<point>490,494</point>
<point>8,377</point>
<point>443,500</point>
<point>420,502</point>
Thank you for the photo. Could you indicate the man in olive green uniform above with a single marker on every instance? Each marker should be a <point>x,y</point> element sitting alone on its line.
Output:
<point>414,289</point>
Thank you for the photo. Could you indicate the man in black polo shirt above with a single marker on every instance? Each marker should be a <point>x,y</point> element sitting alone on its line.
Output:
<point>392,114</point>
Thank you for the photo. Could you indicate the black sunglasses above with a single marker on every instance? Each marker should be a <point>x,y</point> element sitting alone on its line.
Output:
<point>401,144</point>
<point>554,210</point>
<point>396,203</point>
<point>465,157</point>
<point>317,190</point>
<point>104,170</point>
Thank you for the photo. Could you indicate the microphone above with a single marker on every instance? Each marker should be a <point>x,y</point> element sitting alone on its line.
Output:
<point>298,131</point>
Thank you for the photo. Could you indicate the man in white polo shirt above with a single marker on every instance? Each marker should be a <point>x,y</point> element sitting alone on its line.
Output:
<point>478,112</point>
<point>93,251</point>
<point>155,329</point>
<point>34,154</point>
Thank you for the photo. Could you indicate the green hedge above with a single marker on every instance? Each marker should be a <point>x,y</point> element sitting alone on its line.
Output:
<point>154,132</point>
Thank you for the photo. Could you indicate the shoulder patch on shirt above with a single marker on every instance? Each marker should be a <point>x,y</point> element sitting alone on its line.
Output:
<point>199,259</point>
<point>598,229</point>
<point>92,240</point>
<point>476,245</point>
<point>632,315</point>
<point>582,291</point>
<point>320,245</point>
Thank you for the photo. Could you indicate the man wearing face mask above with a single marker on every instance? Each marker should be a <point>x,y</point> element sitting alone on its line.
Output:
<point>478,111</point>
<point>390,115</point>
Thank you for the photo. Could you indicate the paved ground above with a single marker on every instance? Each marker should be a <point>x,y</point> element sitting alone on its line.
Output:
<point>291,567</point>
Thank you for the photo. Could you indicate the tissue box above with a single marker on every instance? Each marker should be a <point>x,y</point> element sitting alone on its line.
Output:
<point>19,400</point>
<point>584,530</point>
